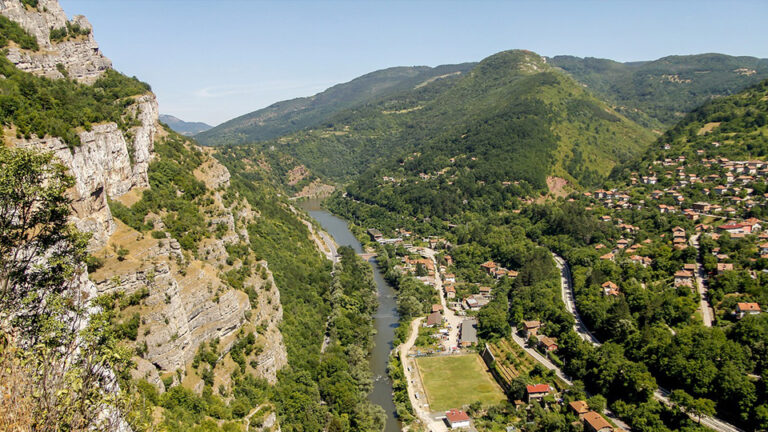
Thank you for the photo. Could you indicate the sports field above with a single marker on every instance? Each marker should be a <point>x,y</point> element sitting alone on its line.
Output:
<point>456,381</point>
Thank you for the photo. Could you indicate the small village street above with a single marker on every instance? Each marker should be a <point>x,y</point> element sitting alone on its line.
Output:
<point>704,307</point>
<point>452,320</point>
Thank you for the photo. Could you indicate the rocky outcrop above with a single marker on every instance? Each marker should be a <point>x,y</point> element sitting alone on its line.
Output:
<point>106,165</point>
<point>185,298</point>
<point>80,56</point>
<point>269,313</point>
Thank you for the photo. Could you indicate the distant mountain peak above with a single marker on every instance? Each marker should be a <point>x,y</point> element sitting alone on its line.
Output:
<point>184,127</point>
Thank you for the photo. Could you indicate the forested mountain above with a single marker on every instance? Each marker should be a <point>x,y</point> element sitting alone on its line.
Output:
<point>520,118</point>
<point>734,127</point>
<point>184,127</point>
<point>662,265</point>
<point>658,93</point>
<point>292,115</point>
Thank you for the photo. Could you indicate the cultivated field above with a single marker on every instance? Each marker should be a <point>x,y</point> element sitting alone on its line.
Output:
<point>456,381</point>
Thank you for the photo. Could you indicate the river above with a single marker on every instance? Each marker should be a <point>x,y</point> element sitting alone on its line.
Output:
<point>385,320</point>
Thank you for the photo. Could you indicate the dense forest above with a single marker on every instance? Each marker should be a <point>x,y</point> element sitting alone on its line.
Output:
<point>508,95</point>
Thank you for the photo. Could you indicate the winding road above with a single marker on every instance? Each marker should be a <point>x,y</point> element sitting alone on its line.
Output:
<point>566,291</point>
<point>660,394</point>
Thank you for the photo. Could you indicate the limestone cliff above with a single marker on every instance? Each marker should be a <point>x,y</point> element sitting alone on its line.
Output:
<point>79,55</point>
<point>108,164</point>
<point>185,298</point>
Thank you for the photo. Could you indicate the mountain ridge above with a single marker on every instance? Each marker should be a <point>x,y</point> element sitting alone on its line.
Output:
<point>289,116</point>
<point>184,127</point>
<point>473,107</point>
<point>658,93</point>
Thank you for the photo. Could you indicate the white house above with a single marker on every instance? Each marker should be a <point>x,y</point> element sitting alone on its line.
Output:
<point>457,419</point>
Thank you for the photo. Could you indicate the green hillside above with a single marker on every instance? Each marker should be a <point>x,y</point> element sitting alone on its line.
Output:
<point>734,127</point>
<point>292,115</point>
<point>737,123</point>
<point>658,93</point>
<point>520,119</point>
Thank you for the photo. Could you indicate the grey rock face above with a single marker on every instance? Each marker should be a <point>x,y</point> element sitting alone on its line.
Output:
<point>104,167</point>
<point>80,56</point>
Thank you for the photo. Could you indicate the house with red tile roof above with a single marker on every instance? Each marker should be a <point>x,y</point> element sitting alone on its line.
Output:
<point>457,419</point>
<point>683,278</point>
<point>724,267</point>
<point>547,343</point>
<point>579,407</point>
<point>531,328</point>
<point>610,288</point>
<point>747,309</point>
<point>537,391</point>
<point>594,422</point>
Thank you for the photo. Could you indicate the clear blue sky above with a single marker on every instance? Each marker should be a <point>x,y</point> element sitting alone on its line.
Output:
<point>214,60</point>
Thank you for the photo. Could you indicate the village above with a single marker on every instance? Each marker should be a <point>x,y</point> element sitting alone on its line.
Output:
<point>445,343</point>
<point>717,196</point>
<point>712,199</point>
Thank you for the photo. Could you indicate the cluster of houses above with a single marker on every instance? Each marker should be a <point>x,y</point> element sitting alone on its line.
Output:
<point>727,185</point>
<point>497,271</point>
<point>544,343</point>
<point>473,302</point>
<point>626,248</point>
<point>729,188</point>
<point>592,420</point>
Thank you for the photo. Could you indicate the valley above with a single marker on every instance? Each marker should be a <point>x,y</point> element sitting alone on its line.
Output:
<point>515,243</point>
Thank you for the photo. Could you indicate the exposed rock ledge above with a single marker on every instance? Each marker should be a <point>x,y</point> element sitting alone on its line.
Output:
<point>80,56</point>
<point>102,166</point>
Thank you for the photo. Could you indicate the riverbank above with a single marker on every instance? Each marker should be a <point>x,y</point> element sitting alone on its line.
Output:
<point>385,318</point>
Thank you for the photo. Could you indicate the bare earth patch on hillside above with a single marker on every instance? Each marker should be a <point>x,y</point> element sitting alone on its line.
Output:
<point>297,174</point>
<point>707,128</point>
<point>403,111</point>
<point>131,197</point>
<point>557,186</point>
<point>316,189</point>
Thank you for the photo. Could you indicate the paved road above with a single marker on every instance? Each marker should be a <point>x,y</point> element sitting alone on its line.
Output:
<point>714,423</point>
<point>704,307</point>
<point>539,358</point>
<point>566,291</point>
<point>551,366</point>
<point>660,394</point>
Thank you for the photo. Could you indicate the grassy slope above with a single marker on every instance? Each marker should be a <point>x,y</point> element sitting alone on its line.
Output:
<point>738,122</point>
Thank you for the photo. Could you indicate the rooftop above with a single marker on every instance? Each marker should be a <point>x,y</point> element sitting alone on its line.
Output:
<point>537,388</point>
